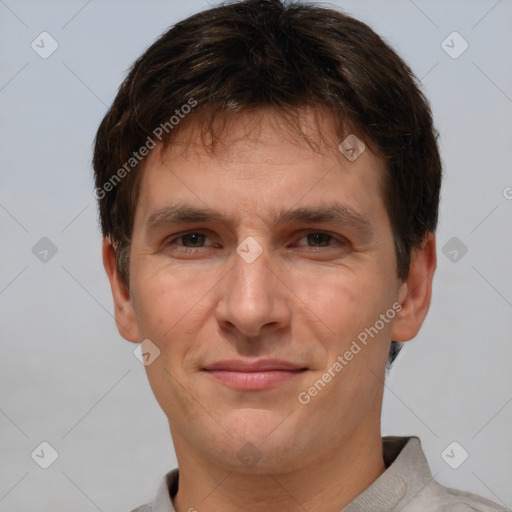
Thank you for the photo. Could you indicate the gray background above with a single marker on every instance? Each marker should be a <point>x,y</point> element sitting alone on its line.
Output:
<point>68,378</point>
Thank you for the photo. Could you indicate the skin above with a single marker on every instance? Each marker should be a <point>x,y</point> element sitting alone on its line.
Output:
<point>303,300</point>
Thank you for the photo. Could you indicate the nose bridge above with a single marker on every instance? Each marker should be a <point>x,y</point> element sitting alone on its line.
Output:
<point>251,282</point>
<point>251,297</point>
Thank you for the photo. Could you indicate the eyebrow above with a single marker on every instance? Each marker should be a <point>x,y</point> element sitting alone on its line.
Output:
<point>335,213</point>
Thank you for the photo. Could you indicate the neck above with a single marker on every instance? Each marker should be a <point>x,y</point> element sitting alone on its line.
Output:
<point>328,484</point>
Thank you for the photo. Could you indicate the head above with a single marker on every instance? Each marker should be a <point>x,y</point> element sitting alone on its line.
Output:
<point>241,111</point>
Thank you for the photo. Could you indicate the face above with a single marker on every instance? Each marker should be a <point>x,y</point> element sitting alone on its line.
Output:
<point>254,271</point>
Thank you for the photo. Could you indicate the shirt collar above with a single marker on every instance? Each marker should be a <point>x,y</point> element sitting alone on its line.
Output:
<point>406,474</point>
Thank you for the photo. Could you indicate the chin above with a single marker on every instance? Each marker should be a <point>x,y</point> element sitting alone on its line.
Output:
<point>265,456</point>
<point>260,441</point>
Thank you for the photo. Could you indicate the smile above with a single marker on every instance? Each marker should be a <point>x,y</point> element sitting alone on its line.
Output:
<point>246,376</point>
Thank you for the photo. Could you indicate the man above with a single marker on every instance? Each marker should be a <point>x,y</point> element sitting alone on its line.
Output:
<point>268,181</point>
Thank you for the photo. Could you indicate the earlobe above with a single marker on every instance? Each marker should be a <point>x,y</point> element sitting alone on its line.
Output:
<point>416,291</point>
<point>123,305</point>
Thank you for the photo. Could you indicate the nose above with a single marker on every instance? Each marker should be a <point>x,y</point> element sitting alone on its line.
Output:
<point>253,300</point>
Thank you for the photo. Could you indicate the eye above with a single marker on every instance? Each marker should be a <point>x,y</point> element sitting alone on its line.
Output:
<point>188,242</point>
<point>193,238</point>
<point>319,239</point>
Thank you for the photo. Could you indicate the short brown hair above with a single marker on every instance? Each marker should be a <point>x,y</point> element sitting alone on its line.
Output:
<point>251,54</point>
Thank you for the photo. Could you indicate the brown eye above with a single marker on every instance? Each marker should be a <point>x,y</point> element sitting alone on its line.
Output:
<point>192,239</point>
<point>319,239</point>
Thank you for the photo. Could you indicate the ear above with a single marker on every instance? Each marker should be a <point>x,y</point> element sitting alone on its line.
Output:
<point>123,304</point>
<point>416,291</point>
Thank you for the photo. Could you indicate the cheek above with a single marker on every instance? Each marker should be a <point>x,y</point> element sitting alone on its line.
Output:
<point>344,300</point>
<point>172,308</point>
<point>165,299</point>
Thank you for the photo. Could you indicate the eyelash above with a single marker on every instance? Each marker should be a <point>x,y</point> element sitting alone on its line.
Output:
<point>340,240</point>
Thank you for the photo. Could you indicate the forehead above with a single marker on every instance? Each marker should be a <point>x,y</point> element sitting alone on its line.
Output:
<point>222,136</point>
<point>263,161</point>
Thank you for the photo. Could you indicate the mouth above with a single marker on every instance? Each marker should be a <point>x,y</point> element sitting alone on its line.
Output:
<point>257,375</point>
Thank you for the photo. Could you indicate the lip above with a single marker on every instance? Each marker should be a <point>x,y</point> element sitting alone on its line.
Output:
<point>254,375</point>
<point>262,365</point>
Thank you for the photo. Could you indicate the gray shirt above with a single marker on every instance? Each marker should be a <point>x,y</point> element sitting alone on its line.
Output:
<point>407,485</point>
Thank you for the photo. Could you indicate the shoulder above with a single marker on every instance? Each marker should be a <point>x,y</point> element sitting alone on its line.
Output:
<point>423,492</point>
<point>411,479</point>
<point>444,499</point>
